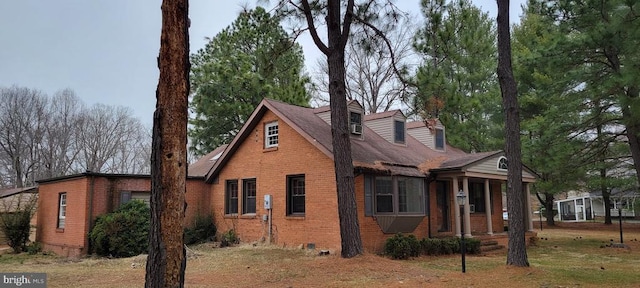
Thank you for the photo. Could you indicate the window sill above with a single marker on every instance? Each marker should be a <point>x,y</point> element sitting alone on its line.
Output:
<point>270,149</point>
<point>59,230</point>
<point>248,216</point>
<point>230,216</point>
<point>295,217</point>
<point>402,214</point>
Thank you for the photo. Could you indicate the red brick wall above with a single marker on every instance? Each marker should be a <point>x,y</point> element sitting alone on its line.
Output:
<point>72,240</point>
<point>69,241</point>
<point>294,155</point>
<point>198,199</point>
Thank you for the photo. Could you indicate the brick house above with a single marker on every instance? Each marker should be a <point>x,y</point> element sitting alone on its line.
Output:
<point>406,179</point>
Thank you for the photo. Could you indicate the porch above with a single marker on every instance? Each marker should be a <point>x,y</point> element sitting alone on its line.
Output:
<point>482,207</point>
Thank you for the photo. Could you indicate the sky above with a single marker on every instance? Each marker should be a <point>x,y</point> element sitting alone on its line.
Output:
<point>106,50</point>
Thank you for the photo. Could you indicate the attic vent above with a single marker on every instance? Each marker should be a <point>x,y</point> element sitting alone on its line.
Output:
<point>356,129</point>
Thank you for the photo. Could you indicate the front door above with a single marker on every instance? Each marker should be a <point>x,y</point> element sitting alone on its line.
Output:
<point>442,214</point>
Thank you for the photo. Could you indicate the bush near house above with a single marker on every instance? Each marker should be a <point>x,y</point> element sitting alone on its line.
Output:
<point>122,233</point>
<point>405,246</point>
<point>202,230</point>
<point>16,223</point>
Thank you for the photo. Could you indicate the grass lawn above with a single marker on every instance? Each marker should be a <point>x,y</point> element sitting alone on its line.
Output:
<point>568,256</point>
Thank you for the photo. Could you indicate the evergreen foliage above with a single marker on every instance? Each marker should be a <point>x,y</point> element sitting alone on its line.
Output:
<point>402,246</point>
<point>457,82</point>
<point>122,233</point>
<point>252,59</point>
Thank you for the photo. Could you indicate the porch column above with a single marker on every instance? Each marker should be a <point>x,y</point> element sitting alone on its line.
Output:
<point>487,205</point>
<point>527,202</point>
<point>456,208</point>
<point>467,215</point>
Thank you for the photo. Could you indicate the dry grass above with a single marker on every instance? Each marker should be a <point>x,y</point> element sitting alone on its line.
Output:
<point>567,256</point>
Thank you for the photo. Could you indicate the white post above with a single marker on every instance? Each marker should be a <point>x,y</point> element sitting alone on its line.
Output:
<point>487,205</point>
<point>528,203</point>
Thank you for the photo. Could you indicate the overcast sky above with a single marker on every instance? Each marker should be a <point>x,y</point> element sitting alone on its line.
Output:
<point>106,50</point>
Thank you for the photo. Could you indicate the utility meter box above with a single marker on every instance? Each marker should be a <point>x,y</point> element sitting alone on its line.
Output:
<point>267,202</point>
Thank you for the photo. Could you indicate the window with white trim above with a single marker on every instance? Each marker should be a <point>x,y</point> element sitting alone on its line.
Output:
<point>62,209</point>
<point>502,163</point>
<point>295,195</point>
<point>271,135</point>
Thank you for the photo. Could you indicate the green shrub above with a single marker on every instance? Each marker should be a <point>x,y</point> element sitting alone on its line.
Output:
<point>34,248</point>
<point>203,230</point>
<point>472,245</point>
<point>402,247</point>
<point>431,246</point>
<point>450,245</point>
<point>16,225</point>
<point>229,238</point>
<point>122,233</point>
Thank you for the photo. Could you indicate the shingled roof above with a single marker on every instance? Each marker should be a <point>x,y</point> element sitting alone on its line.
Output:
<point>370,153</point>
<point>206,162</point>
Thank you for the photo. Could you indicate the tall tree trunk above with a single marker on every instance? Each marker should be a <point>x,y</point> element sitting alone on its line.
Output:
<point>18,170</point>
<point>547,202</point>
<point>166,261</point>
<point>517,254</point>
<point>347,212</point>
<point>632,124</point>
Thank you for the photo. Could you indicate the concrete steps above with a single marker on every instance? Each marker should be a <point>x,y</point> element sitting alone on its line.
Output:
<point>487,245</point>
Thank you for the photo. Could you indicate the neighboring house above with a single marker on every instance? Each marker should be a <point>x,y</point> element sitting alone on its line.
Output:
<point>17,198</point>
<point>584,206</point>
<point>275,182</point>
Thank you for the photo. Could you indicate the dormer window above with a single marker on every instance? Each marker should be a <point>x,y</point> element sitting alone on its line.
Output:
<point>502,163</point>
<point>399,132</point>
<point>439,138</point>
<point>355,123</point>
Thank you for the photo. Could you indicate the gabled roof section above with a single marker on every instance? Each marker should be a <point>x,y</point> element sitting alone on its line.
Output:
<point>385,114</point>
<point>13,191</point>
<point>327,108</point>
<point>473,161</point>
<point>374,153</point>
<point>468,159</point>
<point>301,119</point>
<point>206,162</point>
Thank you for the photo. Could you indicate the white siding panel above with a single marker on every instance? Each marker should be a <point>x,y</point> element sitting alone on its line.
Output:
<point>326,116</point>
<point>382,127</point>
<point>490,166</point>
<point>424,135</point>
